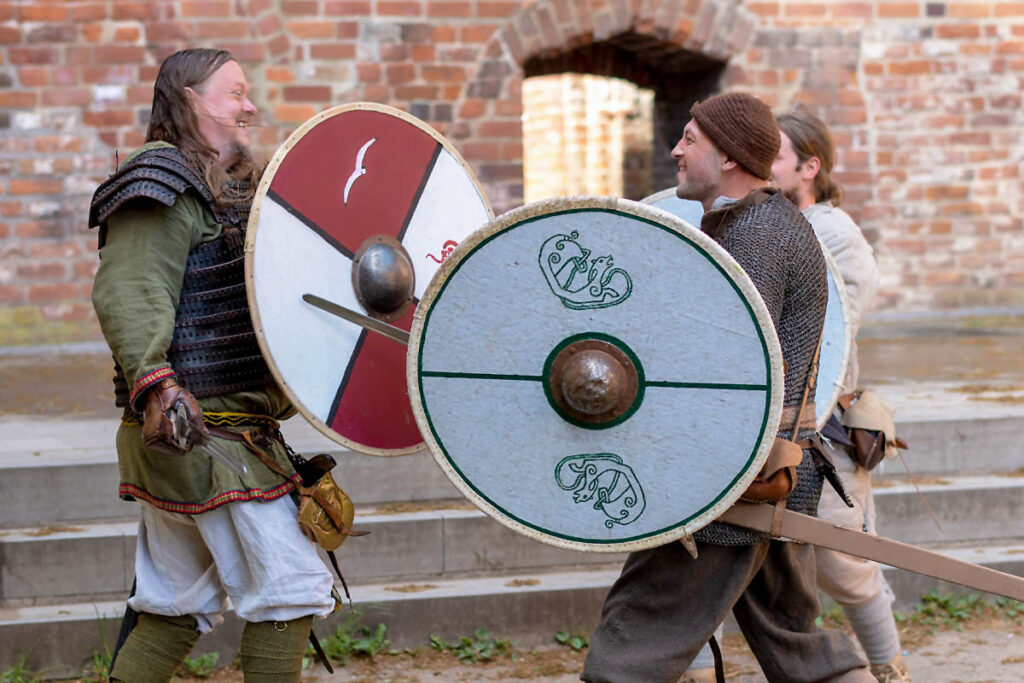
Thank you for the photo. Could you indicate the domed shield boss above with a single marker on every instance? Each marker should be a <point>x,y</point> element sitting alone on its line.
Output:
<point>833,359</point>
<point>359,206</point>
<point>595,374</point>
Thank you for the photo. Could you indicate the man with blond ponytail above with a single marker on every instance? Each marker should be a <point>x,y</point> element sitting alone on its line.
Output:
<point>803,172</point>
<point>170,298</point>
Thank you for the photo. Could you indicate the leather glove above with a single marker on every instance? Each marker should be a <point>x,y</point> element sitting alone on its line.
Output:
<point>162,430</point>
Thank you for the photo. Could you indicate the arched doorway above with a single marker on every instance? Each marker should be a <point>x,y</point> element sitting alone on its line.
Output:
<point>614,110</point>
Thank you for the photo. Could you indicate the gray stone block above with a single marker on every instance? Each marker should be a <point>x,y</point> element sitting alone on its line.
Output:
<point>61,494</point>
<point>92,560</point>
<point>972,509</point>
<point>478,543</point>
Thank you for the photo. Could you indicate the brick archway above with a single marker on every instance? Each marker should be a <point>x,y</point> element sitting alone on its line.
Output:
<point>676,46</point>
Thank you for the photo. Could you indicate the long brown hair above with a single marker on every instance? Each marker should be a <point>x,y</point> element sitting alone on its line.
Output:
<point>173,120</point>
<point>811,138</point>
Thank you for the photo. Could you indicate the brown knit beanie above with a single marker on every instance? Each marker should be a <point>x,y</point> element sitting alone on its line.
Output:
<point>743,127</point>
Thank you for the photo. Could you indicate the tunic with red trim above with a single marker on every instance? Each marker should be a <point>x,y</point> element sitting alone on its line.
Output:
<point>139,291</point>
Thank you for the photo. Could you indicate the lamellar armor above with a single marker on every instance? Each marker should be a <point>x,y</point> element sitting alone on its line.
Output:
<point>213,349</point>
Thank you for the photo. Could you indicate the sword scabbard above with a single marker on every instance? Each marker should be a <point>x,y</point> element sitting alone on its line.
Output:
<point>818,532</point>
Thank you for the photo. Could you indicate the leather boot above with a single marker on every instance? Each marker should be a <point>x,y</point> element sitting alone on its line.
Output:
<point>155,649</point>
<point>861,675</point>
<point>698,676</point>
<point>891,672</point>
<point>272,651</point>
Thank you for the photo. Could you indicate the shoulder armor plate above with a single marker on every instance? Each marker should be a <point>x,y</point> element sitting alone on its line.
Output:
<point>160,174</point>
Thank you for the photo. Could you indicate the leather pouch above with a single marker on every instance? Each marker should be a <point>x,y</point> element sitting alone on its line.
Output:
<point>869,422</point>
<point>325,513</point>
<point>868,447</point>
<point>777,478</point>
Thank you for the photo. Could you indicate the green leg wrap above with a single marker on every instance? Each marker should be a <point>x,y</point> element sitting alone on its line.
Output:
<point>155,649</point>
<point>272,651</point>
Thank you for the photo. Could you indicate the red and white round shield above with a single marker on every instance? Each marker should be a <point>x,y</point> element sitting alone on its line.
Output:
<point>360,205</point>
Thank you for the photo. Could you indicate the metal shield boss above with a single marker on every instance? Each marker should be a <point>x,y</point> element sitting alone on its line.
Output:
<point>833,360</point>
<point>359,206</point>
<point>595,374</point>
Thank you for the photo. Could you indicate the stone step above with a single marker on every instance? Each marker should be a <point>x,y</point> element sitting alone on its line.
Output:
<point>450,538</point>
<point>957,427</point>
<point>967,508</point>
<point>63,471</point>
<point>97,559</point>
<point>526,607</point>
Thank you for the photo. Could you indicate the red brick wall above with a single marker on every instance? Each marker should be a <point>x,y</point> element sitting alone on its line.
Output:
<point>923,98</point>
<point>586,134</point>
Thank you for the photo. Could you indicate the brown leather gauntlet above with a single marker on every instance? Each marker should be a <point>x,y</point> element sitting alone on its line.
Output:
<point>160,414</point>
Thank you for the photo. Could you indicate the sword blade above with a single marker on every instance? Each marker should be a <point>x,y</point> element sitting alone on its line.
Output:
<point>222,455</point>
<point>372,324</point>
<point>903,555</point>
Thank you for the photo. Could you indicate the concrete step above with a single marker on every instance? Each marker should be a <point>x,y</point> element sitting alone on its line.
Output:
<point>526,607</point>
<point>958,427</point>
<point>56,471</point>
<point>97,559</point>
<point>449,538</point>
<point>968,508</point>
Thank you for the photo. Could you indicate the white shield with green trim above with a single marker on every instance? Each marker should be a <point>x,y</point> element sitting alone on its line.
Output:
<point>833,359</point>
<point>595,374</point>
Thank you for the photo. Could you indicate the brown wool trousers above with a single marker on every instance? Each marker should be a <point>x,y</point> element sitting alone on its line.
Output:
<point>665,605</point>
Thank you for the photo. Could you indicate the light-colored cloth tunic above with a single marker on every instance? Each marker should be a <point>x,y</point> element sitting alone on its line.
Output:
<point>848,580</point>
<point>856,262</point>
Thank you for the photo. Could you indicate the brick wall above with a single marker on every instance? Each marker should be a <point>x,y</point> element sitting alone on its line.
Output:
<point>586,134</point>
<point>923,98</point>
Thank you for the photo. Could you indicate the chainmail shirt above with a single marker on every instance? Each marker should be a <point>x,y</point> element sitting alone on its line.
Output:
<point>775,245</point>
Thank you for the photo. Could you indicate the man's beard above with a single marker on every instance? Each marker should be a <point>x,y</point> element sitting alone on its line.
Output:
<point>242,154</point>
<point>696,190</point>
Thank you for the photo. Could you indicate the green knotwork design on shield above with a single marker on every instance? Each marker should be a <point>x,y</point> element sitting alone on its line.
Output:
<point>579,281</point>
<point>601,478</point>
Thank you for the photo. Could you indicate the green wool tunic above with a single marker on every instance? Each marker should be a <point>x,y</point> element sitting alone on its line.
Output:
<point>142,266</point>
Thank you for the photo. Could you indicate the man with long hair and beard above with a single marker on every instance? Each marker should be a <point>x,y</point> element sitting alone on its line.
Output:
<point>170,298</point>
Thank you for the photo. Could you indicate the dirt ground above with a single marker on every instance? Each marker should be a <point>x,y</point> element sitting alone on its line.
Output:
<point>988,650</point>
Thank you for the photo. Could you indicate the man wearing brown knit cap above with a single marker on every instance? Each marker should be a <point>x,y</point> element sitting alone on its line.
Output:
<point>666,604</point>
